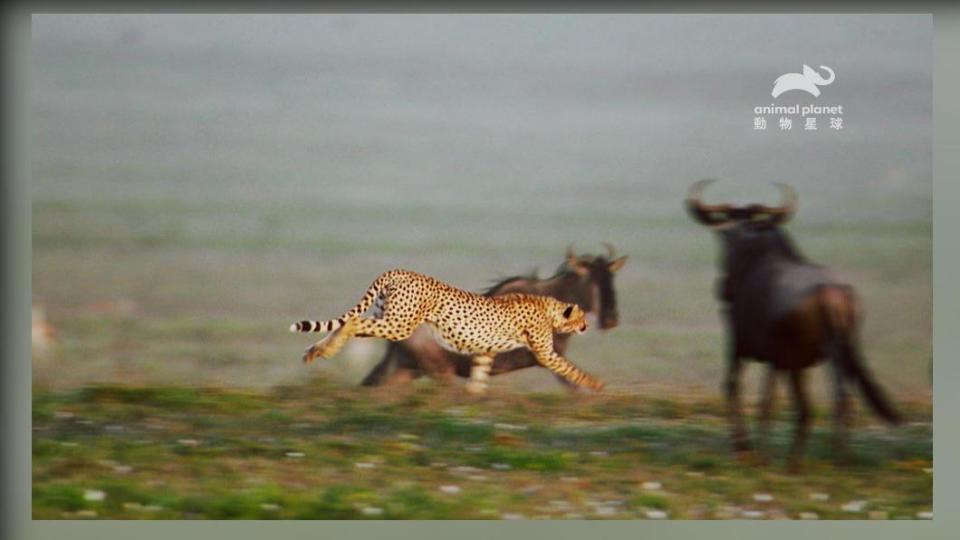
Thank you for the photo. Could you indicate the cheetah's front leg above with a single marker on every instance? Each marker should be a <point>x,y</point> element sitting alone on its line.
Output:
<point>548,358</point>
<point>479,374</point>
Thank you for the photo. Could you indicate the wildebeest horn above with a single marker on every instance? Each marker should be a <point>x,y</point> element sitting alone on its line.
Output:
<point>574,263</point>
<point>611,253</point>
<point>788,205</point>
<point>706,214</point>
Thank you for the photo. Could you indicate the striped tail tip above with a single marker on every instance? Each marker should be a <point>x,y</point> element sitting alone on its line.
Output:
<point>295,327</point>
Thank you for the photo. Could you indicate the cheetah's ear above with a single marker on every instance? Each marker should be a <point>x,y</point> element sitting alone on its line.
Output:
<point>567,312</point>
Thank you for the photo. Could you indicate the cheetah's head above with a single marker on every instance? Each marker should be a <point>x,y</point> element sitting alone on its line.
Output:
<point>569,318</point>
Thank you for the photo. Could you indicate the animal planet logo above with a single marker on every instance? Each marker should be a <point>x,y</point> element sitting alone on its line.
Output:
<point>809,81</point>
<point>809,115</point>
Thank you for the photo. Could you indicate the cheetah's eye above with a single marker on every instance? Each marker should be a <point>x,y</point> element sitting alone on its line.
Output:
<point>567,312</point>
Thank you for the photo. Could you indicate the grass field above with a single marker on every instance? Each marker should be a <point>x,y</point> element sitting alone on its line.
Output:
<point>319,451</point>
<point>189,204</point>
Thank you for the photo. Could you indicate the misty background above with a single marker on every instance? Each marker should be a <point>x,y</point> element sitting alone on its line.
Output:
<point>199,181</point>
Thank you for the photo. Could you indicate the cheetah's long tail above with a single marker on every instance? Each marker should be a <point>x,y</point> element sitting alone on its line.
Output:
<point>329,326</point>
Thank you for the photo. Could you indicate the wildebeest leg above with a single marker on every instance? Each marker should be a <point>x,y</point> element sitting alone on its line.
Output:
<point>401,376</point>
<point>841,411</point>
<point>768,397</point>
<point>387,366</point>
<point>731,383</point>
<point>479,374</point>
<point>798,388</point>
<point>404,361</point>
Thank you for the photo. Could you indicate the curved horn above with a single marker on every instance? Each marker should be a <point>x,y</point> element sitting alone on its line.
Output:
<point>611,253</point>
<point>788,205</point>
<point>573,263</point>
<point>706,214</point>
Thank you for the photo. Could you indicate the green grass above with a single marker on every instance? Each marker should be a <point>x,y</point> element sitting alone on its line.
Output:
<point>318,451</point>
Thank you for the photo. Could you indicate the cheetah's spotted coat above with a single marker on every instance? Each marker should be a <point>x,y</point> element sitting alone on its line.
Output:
<point>463,322</point>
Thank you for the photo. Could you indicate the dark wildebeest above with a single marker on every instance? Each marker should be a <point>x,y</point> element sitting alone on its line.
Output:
<point>787,312</point>
<point>586,280</point>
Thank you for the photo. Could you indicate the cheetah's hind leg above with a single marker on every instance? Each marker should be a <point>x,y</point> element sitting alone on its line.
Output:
<point>332,343</point>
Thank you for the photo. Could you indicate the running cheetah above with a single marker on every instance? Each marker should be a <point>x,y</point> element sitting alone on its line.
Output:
<point>462,322</point>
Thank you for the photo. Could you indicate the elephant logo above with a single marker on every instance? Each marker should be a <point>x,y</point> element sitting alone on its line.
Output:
<point>808,81</point>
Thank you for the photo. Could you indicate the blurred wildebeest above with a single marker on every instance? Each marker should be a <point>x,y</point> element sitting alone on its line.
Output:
<point>586,280</point>
<point>787,312</point>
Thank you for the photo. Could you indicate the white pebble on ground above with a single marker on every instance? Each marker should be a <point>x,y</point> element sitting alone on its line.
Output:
<point>855,506</point>
<point>94,495</point>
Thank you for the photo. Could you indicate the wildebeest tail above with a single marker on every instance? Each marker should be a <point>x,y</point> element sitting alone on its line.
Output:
<point>840,312</point>
<point>329,326</point>
<point>875,395</point>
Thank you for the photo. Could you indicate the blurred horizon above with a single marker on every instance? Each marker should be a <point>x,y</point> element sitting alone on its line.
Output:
<point>667,100</point>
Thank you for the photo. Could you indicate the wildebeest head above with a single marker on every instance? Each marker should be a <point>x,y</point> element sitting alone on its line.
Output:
<point>600,297</point>
<point>749,232</point>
